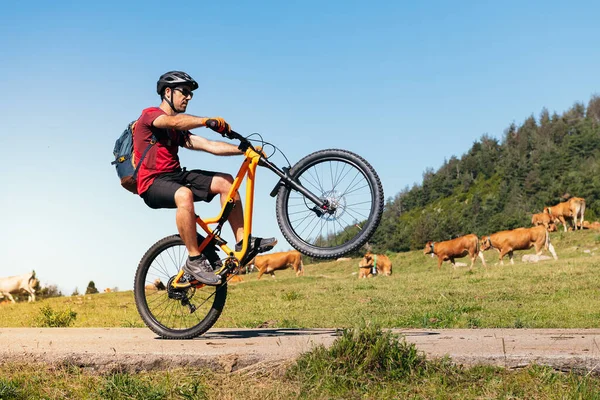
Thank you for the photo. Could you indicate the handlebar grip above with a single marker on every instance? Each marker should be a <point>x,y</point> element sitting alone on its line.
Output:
<point>211,123</point>
<point>214,125</point>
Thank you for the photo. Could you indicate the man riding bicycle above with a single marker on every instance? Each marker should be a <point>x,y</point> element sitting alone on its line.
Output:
<point>162,183</point>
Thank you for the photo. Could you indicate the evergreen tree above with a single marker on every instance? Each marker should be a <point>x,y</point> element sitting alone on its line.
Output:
<point>498,185</point>
<point>91,288</point>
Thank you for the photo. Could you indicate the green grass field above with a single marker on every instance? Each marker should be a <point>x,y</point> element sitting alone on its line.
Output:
<point>371,365</point>
<point>364,363</point>
<point>548,294</point>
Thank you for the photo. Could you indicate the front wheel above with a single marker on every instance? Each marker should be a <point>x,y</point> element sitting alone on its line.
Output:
<point>352,189</point>
<point>174,313</point>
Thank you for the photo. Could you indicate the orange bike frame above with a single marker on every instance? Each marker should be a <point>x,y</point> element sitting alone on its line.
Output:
<point>248,168</point>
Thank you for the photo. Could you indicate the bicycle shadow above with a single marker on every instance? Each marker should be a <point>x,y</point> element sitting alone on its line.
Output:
<point>267,332</point>
<point>224,333</point>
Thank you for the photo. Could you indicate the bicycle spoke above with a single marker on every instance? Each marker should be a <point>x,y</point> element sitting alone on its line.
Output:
<point>306,183</point>
<point>335,185</point>
<point>159,265</point>
<point>348,191</point>
<point>349,211</point>
<point>340,178</point>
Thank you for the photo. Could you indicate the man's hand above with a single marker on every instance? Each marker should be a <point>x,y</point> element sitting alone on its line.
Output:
<point>218,124</point>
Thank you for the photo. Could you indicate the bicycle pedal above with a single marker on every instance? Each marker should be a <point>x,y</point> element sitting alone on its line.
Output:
<point>263,249</point>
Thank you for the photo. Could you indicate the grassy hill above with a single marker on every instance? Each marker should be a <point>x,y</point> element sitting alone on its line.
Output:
<point>498,185</point>
<point>547,294</point>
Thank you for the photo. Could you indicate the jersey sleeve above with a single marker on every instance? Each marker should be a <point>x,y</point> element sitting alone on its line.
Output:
<point>147,119</point>
<point>149,115</point>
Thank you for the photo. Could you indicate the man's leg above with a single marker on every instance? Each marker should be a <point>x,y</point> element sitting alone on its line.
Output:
<point>221,185</point>
<point>185,218</point>
<point>167,191</point>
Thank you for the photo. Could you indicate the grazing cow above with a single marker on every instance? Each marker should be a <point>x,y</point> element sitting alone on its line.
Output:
<point>380,263</point>
<point>590,225</point>
<point>455,248</point>
<point>107,290</point>
<point>519,239</point>
<point>246,269</point>
<point>560,212</point>
<point>593,225</point>
<point>235,278</point>
<point>13,284</point>
<point>156,285</point>
<point>282,260</point>
<point>544,219</point>
<point>569,210</point>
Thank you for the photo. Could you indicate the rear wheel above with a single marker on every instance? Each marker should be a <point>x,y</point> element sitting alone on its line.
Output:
<point>354,192</point>
<point>168,312</point>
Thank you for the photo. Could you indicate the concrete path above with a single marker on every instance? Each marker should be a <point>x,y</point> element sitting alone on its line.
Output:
<point>134,349</point>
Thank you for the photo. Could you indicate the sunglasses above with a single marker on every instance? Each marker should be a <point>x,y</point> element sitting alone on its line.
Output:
<point>185,92</point>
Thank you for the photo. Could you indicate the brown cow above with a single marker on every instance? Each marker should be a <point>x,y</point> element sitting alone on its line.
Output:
<point>156,285</point>
<point>567,211</point>
<point>591,225</point>
<point>282,260</point>
<point>544,219</point>
<point>455,248</point>
<point>577,210</point>
<point>381,263</point>
<point>518,239</point>
<point>560,212</point>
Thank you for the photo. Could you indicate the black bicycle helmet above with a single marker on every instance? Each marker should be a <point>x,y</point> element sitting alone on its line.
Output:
<point>174,78</point>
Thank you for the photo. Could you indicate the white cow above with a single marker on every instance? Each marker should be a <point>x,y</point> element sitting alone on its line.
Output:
<point>14,284</point>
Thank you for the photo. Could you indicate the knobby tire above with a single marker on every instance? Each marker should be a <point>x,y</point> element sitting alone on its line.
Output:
<point>347,180</point>
<point>165,316</point>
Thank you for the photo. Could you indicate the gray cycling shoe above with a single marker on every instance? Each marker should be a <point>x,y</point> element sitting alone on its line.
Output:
<point>202,271</point>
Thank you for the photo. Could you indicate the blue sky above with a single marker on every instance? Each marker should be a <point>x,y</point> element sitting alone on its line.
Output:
<point>405,86</point>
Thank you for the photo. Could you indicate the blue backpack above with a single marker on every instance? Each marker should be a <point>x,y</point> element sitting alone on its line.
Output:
<point>126,166</point>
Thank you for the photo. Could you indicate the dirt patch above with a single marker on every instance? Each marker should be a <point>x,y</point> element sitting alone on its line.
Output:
<point>270,350</point>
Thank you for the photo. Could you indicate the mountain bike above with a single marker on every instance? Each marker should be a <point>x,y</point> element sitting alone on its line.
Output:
<point>328,204</point>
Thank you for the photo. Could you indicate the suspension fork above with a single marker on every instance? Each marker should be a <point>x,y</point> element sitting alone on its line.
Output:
<point>285,179</point>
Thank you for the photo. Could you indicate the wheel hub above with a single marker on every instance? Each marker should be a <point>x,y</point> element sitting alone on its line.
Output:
<point>337,205</point>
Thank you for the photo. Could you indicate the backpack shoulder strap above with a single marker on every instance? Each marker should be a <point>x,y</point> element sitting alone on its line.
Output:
<point>152,142</point>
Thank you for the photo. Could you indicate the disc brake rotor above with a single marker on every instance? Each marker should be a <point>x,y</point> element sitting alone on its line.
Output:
<point>337,202</point>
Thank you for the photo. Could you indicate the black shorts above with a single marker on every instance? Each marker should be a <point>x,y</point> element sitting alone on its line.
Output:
<point>161,194</point>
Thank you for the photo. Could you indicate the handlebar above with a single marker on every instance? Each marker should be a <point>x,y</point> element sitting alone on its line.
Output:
<point>244,143</point>
<point>322,204</point>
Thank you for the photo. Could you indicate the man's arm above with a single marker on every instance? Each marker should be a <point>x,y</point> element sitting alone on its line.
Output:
<point>213,147</point>
<point>180,122</point>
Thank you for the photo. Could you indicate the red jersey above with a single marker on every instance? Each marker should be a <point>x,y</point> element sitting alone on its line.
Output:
<point>162,157</point>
